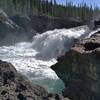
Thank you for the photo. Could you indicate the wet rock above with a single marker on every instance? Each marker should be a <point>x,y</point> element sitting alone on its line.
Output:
<point>79,69</point>
<point>14,86</point>
<point>4,19</point>
<point>97,23</point>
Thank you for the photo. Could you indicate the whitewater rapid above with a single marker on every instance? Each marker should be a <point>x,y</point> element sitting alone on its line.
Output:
<point>33,59</point>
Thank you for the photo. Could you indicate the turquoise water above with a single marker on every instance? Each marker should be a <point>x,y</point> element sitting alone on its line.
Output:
<point>52,86</point>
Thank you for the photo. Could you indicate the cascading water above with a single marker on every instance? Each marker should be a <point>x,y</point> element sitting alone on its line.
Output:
<point>34,59</point>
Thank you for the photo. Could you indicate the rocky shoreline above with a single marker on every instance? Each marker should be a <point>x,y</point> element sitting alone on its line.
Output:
<point>79,69</point>
<point>14,86</point>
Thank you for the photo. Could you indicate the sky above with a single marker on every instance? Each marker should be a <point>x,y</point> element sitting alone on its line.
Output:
<point>89,2</point>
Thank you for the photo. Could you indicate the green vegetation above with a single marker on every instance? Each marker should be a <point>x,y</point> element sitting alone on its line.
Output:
<point>49,8</point>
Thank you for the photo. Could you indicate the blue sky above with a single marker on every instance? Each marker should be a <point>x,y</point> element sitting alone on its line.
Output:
<point>89,2</point>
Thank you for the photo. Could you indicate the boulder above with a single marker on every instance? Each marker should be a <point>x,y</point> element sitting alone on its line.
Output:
<point>79,69</point>
<point>14,86</point>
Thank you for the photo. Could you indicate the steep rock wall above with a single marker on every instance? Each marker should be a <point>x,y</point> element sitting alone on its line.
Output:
<point>80,69</point>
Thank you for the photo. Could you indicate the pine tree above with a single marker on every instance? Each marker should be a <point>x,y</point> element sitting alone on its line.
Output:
<point>50,8</point>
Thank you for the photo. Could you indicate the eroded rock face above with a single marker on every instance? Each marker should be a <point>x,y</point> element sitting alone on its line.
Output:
<point>4,19</point>
<point>80,69</point>
<point>19,28</point>
<point>44,23</point>
<point>14,86</point>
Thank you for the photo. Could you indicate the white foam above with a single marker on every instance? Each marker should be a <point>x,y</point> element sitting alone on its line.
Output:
<point>34,59</point>
<point>52,44</point>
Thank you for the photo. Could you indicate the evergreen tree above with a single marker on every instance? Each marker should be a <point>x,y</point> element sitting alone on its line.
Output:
<point>50,8</point>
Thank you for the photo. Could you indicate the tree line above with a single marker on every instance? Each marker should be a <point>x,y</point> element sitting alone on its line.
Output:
<point>50,8</point>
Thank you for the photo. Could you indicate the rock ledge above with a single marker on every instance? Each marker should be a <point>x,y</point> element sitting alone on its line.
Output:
<point>80,69</point>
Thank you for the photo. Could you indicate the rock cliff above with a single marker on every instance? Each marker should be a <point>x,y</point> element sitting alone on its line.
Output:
<point>4,19</point>
<point>20,28</point>
<point>79,69</point>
